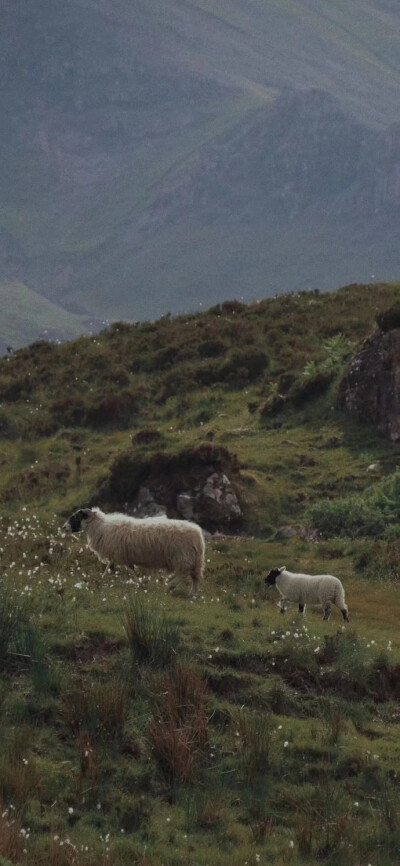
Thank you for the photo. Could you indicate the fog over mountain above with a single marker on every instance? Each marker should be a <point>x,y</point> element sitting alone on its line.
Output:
<point>161,156</point>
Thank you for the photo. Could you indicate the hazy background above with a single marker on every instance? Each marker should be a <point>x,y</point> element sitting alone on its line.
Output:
<point>159,156</point>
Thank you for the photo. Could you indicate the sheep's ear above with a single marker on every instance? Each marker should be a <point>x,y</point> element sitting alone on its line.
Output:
<point>282,568</point>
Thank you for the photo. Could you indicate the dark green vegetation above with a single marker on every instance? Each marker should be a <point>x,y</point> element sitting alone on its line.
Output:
<point>140,727</point>
<point>151,161</point>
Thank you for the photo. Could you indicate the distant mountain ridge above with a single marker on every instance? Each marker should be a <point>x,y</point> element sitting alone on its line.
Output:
<point>152,161</point>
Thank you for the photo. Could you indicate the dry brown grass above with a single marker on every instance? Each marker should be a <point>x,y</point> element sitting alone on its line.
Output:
<point>11,841</point>
<point>179,732</point>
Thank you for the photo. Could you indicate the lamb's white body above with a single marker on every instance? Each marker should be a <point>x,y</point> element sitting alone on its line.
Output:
<point>153,542</point>
<point>324,589</point>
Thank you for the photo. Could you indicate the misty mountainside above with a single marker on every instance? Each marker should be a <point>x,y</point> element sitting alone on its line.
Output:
<point>159,158</point>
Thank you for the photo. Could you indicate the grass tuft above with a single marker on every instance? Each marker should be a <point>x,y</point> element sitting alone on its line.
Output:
<point>179,733</point>
<point>154,639</point>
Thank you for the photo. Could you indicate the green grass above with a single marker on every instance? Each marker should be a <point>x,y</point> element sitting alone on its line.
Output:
<point>142,727</point>
<point>25,314</point>
<point>271,741</point>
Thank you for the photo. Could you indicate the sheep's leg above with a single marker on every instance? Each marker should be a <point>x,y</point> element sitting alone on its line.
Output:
<point>301,608</point>
<point>179,583</point>
<point>327,611</point>
<point>282,605</point>
<point>345,614</point>
<point>173,581</point>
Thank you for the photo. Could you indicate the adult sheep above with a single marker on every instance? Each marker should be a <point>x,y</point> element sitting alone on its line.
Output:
<point>152,542</point>
<point>302,588</point>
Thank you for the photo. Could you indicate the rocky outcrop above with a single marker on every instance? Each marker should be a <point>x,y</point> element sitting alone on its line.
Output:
<point>201,484</point>
<point>213,504</point>
<point>370,388</point>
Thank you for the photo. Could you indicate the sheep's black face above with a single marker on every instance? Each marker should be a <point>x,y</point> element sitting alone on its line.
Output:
<point>74,524</point>
<point>271,576</point>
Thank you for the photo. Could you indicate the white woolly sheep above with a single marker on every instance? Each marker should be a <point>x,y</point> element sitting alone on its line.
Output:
<point>152,542</point>
<point>302,588</point>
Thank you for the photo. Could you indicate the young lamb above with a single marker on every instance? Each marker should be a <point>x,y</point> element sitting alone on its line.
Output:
<point>152,542</point>
<point>303,588</point>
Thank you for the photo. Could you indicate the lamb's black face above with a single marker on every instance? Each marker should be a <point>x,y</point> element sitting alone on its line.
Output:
<point>271,576</point>
<point>77,519</point>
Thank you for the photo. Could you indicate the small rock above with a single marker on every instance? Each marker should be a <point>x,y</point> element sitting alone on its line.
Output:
<point>285,532</point>
<point>185,505</point>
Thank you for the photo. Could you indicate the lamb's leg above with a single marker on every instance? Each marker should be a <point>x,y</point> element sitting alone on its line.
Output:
<point>327,611</point>
<point>301,608</point>
<point>109,567</point>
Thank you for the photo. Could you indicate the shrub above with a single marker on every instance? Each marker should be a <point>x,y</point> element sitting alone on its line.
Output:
<point>68,411</point>
<point>352,517</point>
<point>381,561</point>
<point>146,437</point>
<point>111,406</point>
<point>310,387</point>
<point>7,428</point>
<point>153,639</point>
<point>349,658</point>
<point>212,348</point>
<point>231,307</point>
<point>389,319</point>
<point>386,497</point>
<point>16,389</point>
<point>243,365</point>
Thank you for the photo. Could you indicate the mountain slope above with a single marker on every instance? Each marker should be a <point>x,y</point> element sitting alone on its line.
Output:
<point>112,109</point>
<point>26,315</point>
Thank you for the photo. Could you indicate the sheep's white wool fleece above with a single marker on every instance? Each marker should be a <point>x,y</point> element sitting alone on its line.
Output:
<point>152,542</point>
<point>309,589</point>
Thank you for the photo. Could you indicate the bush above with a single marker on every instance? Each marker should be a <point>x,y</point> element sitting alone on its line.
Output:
<point>376,514</point>
<point>212,349</point>
<point>7,429</point>
<point>16,389</point>
<point>69,411</point>
<point>389,319</point>
<point>310,387</point>
<point>243,365</point>
<point>111,406</point>
<point>352,517</point>
<point>146,437</point>
<point>231,307</point>
<point>381,561</point>
<point>349,657</point>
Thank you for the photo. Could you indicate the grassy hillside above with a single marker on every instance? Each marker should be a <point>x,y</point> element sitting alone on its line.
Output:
<point>26,315</point>
<point>143,727</point>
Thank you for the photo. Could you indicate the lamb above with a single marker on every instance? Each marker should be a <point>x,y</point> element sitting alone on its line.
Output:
<point>302,588</point>
<point>152,542</point>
